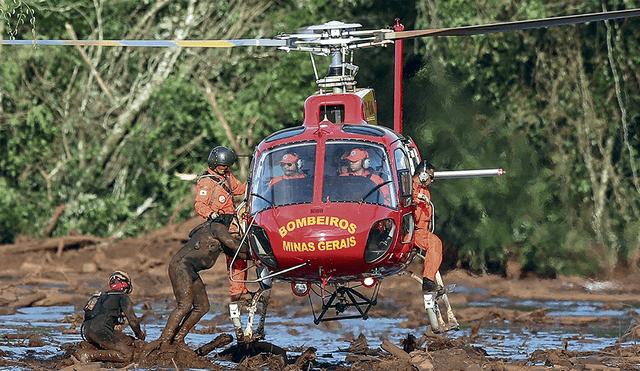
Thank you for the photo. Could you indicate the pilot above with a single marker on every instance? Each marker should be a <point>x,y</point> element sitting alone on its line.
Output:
<point>291,165</point>
<point>359,165</point>
<point>199,253</point>
<point>214,202</point>
<point>424,238</point>
<point>102,313</point>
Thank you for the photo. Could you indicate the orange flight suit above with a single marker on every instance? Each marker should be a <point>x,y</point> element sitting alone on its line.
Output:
<point>214,194</point>
<point>423,238</point>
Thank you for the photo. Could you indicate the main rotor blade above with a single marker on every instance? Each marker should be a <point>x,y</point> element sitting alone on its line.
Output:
<point>154,43</point>
<point>512,26</point>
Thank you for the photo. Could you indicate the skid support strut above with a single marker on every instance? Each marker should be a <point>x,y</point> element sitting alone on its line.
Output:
<point>342,299</point>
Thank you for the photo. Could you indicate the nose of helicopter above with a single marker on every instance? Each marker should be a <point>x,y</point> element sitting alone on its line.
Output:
<point>345,241</point>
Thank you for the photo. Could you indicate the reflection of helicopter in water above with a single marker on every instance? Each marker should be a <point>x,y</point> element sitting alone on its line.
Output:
<point>327,233</point>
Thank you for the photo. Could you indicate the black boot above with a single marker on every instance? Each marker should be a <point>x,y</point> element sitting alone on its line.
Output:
<point>429,285</point>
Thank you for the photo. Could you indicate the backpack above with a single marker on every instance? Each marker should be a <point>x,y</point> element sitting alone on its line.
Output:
<point>90,309</point>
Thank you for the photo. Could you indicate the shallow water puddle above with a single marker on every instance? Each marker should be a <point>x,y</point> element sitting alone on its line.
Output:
<point>501,339</point>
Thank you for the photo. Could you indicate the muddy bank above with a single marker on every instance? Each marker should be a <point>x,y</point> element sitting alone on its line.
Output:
<point>60,272</point>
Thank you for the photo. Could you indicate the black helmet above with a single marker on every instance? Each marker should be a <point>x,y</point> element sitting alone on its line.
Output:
<point>221,155</point>
<point>122,277</point>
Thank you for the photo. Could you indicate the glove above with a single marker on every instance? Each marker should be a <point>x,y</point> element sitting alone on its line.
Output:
<point>423,197</point>
<point>213,215</point>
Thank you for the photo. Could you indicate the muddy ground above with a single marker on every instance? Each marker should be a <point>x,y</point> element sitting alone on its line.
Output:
<point>67,271</point>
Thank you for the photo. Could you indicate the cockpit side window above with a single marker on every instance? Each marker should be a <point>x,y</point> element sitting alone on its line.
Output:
<point>283,175</point>
<point>357,171</point>
<point>404,174</point>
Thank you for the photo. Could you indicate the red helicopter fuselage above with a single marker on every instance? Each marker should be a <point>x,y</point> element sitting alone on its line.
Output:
<point>323,221</point>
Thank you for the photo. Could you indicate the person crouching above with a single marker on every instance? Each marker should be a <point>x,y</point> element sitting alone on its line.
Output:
<point>102,313</point>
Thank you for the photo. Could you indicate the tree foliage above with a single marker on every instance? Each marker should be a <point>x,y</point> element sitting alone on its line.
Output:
<point>559,112</point>
<point>105,130</point>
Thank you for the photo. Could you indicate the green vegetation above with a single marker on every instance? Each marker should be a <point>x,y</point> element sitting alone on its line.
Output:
<point>104,133</point>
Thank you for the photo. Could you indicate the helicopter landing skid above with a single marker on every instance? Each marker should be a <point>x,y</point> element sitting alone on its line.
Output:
<point>248,335</point>
<point>342,299</point>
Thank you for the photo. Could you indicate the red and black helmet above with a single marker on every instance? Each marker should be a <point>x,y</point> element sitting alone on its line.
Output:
<point>119,280</point>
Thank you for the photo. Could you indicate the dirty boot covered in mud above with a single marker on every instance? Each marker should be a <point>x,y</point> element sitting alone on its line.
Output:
<point>430,286</point>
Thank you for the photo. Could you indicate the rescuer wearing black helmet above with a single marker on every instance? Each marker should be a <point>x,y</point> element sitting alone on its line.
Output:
<point>214,202</point>
<point>217,186</point>
<point>423,237</point>
<point>101,314</point>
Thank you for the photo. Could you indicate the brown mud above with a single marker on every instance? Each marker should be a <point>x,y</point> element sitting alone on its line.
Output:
<point>67,271</point>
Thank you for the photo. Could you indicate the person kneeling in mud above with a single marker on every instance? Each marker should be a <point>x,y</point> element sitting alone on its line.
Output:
<point>199,253</point>
<point>102,313</point>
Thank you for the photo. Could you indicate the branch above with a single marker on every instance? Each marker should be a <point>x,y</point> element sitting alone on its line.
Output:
<point>47,177</point>
<point>164,68</point>
<point>223,121</point>
<point>50,243</point>
<point>623,109</point>
<point>56,215</point>
<point>87,60</point>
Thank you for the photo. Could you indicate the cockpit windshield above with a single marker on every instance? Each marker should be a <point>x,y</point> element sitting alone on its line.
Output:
<point>284,176</point>
<point>354,171</point>
<point>357,171</point>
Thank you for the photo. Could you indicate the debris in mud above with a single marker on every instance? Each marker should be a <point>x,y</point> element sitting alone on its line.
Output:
<point>32,340</point>
<point>39,276</point>
<point>238,352</point>
<point>218,342</point>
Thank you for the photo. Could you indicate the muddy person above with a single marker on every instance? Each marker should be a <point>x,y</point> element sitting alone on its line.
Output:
<point>424,238</point>
<point>102,313</point>
<point>199,253</point>
<point>215,189</point>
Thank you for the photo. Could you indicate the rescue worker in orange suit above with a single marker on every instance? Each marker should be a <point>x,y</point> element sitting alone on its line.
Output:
<point>199,253</point>
<point>359,164</point>
<point>424,238</point>
<point>291,165</point>
<point>214,202</point>
<point>102,313</point>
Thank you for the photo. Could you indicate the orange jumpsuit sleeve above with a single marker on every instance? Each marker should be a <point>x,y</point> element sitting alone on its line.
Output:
<point>238,188</point>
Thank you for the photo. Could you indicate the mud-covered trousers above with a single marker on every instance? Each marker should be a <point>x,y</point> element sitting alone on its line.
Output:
<point>116,346</point>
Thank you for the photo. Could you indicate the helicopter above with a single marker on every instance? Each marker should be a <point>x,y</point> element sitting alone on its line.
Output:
<point>329,235</point>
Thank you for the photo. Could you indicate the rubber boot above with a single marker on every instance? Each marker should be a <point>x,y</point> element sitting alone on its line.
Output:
<point>429,285</point>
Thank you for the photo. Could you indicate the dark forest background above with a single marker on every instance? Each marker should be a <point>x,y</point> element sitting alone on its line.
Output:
<point>104,131</point>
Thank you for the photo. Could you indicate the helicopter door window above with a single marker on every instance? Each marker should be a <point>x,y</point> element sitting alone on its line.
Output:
<point>283,176</point>
<point>357,171</point>
<point>333,113</point>
<point>404,176</point>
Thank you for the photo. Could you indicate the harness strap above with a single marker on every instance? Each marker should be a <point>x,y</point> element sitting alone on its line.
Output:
<point>225,182</point>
